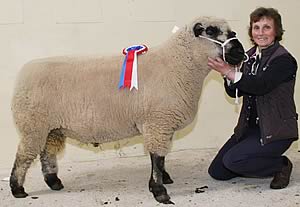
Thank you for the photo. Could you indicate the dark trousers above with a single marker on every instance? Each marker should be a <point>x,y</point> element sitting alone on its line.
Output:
<point>248,158</point>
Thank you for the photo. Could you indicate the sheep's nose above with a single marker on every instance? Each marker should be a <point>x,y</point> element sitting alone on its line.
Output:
<point>240,51</point>
<point>237,50</point>
<point>236,53</point>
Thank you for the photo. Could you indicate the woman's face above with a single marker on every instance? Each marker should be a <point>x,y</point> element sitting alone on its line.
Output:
<point>263,32</point>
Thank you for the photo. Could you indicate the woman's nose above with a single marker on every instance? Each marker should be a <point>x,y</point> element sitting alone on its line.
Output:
<point>259,31</point>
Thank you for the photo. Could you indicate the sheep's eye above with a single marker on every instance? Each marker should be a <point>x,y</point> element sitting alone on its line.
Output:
<point>212,31</point>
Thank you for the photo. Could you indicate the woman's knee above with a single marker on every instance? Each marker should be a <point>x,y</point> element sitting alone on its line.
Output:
<point>217,176</point>
<point>217,173</point>
<point>234,163</point>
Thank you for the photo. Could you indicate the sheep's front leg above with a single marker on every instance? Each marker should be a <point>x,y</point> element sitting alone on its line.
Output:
<point>166,177</point>
<point>156,179</point>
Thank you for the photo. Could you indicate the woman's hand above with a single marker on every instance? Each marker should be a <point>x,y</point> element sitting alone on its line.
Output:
<point>220,66</point>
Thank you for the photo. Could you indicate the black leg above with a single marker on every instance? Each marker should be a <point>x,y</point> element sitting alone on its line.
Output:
<point>156,180</point>
<point>166,177</point>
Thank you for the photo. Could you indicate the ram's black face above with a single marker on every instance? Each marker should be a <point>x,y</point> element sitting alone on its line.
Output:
<point>234,51</point>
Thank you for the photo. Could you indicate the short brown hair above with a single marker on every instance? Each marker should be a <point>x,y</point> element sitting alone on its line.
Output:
<point>271,13</point>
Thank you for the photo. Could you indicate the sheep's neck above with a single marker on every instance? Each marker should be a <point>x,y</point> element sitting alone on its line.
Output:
<point>185,75</point>
<point>187,66</point>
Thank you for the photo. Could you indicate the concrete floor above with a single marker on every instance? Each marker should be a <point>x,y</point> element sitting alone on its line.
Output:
<point>123,182</point>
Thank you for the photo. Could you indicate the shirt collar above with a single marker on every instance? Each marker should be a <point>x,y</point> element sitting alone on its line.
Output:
<point>270,49</point>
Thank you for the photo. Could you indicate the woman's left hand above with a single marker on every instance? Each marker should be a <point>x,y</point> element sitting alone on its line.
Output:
<point>219,65</point>
<point>226,70</point>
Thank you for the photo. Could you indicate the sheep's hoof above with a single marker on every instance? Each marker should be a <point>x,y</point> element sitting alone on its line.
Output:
<point>53,182</point>
<point>160,194</point>
<point>166,178</point>
<point>19,192</point>
<point>165,199</point>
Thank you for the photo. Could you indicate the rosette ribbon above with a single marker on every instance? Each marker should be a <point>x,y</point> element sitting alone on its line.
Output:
<point>128,77</point>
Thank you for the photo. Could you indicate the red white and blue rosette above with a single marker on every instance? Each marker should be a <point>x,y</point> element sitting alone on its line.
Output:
<point>128,77</point>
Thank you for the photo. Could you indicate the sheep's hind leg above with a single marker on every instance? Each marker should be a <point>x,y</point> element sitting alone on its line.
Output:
<point>18,173</point>
<point>55,144</point>
<point>156,180</point>
<point>28,150</point>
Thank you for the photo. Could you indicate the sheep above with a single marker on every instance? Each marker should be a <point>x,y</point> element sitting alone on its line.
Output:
<point>79,98</point>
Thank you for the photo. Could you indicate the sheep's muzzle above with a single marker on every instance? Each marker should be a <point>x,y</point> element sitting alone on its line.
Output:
<point>235,53</point>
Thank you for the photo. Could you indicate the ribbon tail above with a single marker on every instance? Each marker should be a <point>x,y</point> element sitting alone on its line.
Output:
<point>128,70</point>
<point>122,76</point>
<point>134,80</point>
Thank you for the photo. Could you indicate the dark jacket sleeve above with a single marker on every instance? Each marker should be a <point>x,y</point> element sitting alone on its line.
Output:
<point>280,70</point>
<point>231,89</point>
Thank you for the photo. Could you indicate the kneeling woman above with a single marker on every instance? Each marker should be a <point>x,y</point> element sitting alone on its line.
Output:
<point>267,125</point>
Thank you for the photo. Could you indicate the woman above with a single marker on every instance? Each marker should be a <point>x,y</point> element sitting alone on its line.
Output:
<point>267,124</point>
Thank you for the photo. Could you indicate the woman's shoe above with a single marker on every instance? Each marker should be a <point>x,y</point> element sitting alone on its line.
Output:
<point>282,178</point>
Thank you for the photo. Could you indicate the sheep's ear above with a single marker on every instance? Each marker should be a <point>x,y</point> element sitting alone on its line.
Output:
<point>198,29</point>
<point>231,34</point>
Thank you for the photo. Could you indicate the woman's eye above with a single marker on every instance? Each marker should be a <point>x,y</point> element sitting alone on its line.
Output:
<point>267,27</point>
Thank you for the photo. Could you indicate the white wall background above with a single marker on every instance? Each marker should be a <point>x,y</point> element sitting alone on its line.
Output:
<point>38,28</point>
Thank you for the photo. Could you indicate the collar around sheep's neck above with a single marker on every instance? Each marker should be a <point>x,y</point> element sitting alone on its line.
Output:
<point>237,68</point>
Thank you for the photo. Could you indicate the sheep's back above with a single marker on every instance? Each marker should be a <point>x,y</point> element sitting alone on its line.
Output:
<point>79,94</point>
